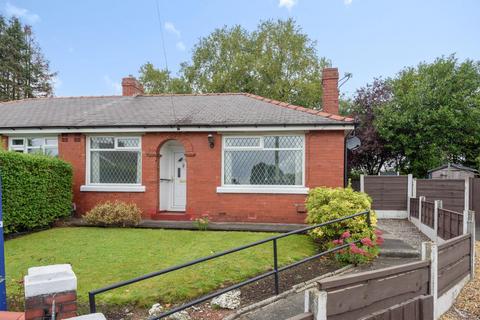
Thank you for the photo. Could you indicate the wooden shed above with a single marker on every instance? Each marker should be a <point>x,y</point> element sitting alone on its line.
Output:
<point>452,171</point>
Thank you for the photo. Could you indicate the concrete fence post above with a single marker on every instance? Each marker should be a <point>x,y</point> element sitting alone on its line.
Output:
<point>414,188</point>
<point>438,204</point>
<point>316,303</point>
<point>420,202</point>
<point>430,252</point>
<point>409,193</point>
<point>362,183</point>
<point>465,221</point>
<point>466,205</point>
<point>471,230</point>
<point>50,290</point>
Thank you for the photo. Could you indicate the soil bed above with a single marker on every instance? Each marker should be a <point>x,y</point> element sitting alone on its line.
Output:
<point>252,293</point>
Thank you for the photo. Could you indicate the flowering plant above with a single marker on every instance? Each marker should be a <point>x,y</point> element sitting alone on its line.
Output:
<point>202,222</point>
<point>357,253</point>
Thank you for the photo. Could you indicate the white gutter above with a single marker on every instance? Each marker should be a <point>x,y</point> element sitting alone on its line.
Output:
<point>175,129</point>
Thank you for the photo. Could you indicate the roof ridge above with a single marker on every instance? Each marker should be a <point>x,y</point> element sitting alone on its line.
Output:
<point>300,108</point>
<point>56,97</point>
<point>192,94</point>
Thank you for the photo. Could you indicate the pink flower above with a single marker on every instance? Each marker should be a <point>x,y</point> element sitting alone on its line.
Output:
<point>378,232</point>
<point>346,234</point>
<point>339,241</point>
<point>380,240</point>
<point>356,250</point>
<point>367,242</point>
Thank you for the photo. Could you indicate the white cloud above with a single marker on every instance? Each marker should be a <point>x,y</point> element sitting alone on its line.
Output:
<point>116,87</point>
<point>21,13</point>
<point>170,27</point>
<point>180,46</point>
<point>289,4</point>
<point>347,2</point>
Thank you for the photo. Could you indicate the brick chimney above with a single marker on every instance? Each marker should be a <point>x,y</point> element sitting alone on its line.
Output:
<point>131,86</point>
<point>330,90</point>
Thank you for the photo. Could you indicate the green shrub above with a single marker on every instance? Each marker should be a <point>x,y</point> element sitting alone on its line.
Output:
<point>325,204</point>
<point>37,190</point>
<point>115,213</point>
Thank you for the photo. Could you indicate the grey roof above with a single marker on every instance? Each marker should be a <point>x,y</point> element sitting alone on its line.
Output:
<point>455,166</point>
<point>162,110</point>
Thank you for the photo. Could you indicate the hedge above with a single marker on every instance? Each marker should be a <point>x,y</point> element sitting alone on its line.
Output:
<point>37,190</point>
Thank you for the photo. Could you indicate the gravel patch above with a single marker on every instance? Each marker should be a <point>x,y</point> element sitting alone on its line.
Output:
<point>403,230</point>
<point>467,305</point>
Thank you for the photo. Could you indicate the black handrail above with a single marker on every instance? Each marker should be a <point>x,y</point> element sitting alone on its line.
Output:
<point>275,271</point>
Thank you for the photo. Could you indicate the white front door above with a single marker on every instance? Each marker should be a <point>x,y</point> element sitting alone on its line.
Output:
<point>179,194</point>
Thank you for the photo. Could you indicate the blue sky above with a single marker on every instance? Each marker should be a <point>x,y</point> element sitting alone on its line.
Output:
<point>92,44</point>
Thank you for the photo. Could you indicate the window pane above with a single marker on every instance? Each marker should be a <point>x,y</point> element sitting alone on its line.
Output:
<point>242,142</point>
<point>283,142</point>
<point>35,142</point>
<point>51,141</point>
<point>51,151</point>
<point>263,167</point>
<point>34,150</point>
<point>102,143</point>
<point>17,142</point>
<point>115,167</point>
<point>128,142</point>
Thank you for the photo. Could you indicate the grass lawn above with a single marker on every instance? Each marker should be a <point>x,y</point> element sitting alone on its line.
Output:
<point>102,256</point>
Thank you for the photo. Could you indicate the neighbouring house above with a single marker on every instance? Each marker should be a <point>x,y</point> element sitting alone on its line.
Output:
<point>452,171</point>
<point>232,156</point>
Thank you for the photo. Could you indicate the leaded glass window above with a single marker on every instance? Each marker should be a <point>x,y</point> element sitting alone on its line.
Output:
<point>265,160</point>
<point>115,160</point>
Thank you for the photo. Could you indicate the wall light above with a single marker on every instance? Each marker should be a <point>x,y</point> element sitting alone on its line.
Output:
<point>211,141</point>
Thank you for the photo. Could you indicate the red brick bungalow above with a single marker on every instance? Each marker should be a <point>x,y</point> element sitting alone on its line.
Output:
<point>235,157</point>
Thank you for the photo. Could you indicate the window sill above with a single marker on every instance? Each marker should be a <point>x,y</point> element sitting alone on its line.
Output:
<point>251,189</point>
<point>112,188</point>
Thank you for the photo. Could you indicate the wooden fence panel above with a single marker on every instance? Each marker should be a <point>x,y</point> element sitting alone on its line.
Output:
<point>420,308</point>
<point>475,199</point>
<point>414,206</point>
<point>358,295</point>
<point>451,192</point>
<point>428,211</point>
<point>453,262</point>
<point>450,224</point>
<point>387,192</point>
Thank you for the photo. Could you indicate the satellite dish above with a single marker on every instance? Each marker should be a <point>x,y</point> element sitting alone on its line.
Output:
<point>353,143</point>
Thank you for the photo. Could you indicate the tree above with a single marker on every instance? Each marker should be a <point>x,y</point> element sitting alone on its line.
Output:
<point>157,81</point>
<point>276,60</point>
<point>372,155</point>
<point>434,115</point>
<point>24,72</point>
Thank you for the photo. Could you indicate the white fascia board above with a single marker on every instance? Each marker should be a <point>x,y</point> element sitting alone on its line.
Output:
<point>175,129</point>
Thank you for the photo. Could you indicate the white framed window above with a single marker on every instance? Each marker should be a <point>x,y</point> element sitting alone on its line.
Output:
<point>263,164</point>
<point>114,164</point>
<point>43,145</point>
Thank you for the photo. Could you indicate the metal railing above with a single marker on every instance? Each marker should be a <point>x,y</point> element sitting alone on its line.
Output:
<point>275,272</point>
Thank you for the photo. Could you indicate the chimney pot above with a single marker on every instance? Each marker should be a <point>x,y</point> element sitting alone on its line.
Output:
<point>330,90</point>
<point>131,86</point>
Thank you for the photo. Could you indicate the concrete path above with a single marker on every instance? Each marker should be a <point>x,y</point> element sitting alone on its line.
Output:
<point>402,238</point>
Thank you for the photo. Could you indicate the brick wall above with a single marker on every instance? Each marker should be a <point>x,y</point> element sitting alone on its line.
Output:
<point>324,167</point>
<point>3,142</point>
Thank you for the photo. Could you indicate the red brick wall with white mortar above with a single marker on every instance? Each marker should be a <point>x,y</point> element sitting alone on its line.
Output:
<point>324,167</point>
